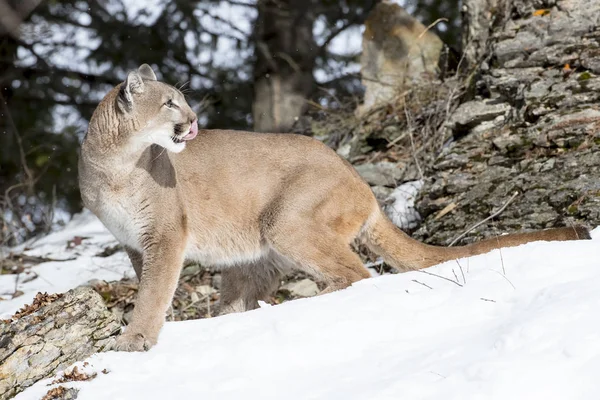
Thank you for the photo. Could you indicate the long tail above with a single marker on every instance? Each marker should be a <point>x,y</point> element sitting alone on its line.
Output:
<point>405,253</point>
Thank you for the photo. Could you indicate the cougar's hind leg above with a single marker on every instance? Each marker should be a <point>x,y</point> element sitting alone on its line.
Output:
<point>243,285</point>
<point>321,253</point>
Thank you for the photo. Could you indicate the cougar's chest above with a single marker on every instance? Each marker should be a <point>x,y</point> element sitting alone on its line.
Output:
<point>118,214</point>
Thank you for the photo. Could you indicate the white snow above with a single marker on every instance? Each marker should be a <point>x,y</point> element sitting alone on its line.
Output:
<point>522,323</point>
<point>401,209</point>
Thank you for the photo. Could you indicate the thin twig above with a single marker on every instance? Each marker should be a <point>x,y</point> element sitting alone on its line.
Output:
<point>412,143</point>
<point>16,282</point>
<point>455,277</point>
<point>434,23</point>
<point>421,283</point>
<point>461,271</point>
<point>515,194</point>
<point>501,258</point>
<point>439,276</point>
<point>504,276</point>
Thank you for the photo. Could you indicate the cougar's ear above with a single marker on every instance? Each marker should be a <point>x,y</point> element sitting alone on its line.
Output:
<point>146,72</point>
<point>132,85</point>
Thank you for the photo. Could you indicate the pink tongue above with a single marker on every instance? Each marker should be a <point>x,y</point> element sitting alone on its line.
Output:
<point>193,131</point>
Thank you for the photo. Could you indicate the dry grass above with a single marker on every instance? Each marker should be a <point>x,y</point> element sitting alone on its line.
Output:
<point>410,130</point>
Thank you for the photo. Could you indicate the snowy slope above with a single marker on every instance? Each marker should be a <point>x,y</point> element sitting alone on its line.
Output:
<point>530,332</point>
<point>84,262</point>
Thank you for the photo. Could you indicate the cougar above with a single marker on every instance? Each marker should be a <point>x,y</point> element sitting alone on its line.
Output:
<point>254,205</point>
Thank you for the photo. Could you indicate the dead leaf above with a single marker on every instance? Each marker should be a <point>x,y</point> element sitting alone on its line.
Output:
<point>40,300</point>
<point>73,375</point>
<point>76,241</point>
<point>445,211</point>
<point>541,13</point>
<point>17,293</point>
<point>188,288</point>
<point>61,392</point>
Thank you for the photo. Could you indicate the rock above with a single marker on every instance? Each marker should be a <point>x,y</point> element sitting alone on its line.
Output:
<point>205,290</point>
<point>216,281</point>
<point>397,51</point>
<point>192,269</point>
<point>473,113</point>
<point>128,316</point>
<point>344,150</point>
<point>380,174</point>
<point>303,288</point>
<point>381,193</point>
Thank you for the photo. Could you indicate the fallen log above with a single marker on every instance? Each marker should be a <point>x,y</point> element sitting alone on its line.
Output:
<point>52,333</point>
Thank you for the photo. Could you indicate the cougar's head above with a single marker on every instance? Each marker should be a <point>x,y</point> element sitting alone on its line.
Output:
<point>158,109</point>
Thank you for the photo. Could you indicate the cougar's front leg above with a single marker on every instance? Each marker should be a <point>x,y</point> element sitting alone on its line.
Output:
<point>162,261</point>
<point>137,262</point>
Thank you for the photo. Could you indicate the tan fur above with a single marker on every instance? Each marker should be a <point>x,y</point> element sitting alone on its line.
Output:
<point>255,205</point>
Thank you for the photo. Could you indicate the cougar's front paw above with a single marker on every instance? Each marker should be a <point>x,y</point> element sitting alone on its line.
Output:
<point>132,342</point>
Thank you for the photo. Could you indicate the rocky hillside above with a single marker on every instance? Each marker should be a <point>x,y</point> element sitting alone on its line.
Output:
<point>529,144</point>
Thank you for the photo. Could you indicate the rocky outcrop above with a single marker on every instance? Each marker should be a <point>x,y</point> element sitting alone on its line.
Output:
<point>397,51</point>
<point>533,129</point>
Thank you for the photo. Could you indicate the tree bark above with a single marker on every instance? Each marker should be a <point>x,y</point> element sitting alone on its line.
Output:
<point>50,335</point>
<point>285,58</point>
<point>478,17</point>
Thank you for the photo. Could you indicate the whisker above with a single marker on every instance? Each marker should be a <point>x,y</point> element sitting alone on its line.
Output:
<point>184,84</point>
<point>159,154</point>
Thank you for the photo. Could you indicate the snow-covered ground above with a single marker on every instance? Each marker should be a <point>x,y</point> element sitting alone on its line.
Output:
<point>81,244</point>
<point>522,323</point>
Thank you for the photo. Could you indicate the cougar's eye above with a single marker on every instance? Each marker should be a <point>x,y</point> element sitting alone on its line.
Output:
<point>169,104</point>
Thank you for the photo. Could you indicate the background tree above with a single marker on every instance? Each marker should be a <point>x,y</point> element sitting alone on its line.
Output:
<point>287,53</point>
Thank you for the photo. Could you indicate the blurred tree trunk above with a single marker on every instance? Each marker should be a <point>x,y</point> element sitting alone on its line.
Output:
<point>8,53</point>
<point>285,58</point>
<point>13,12</point>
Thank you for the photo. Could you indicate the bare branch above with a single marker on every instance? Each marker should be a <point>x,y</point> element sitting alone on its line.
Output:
<point>241,3</point>
<point>515,194</point>
<point>334,33</point>
<point>355,19</point>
